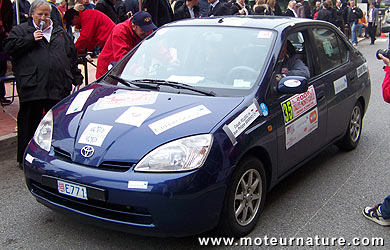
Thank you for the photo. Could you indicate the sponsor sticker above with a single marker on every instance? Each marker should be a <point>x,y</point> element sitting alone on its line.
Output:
<point>264,34</point>
<point>340,84</point>
<point>79,101</point>
<point>361,69</point>
<point>298,104</point>
<point>241,122</point>
<point>300,128</point>
<point>135,116</point>
<point>137,184</point>
<point>29,158</point>
<point>176,119</point>
<point>125,99</point>
<point>95,134</point>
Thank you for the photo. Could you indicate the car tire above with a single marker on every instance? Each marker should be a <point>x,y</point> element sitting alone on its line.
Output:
<point>352,135</point>
<point>244,198</point>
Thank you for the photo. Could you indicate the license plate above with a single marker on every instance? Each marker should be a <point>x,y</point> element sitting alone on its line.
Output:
<point>72,190</point>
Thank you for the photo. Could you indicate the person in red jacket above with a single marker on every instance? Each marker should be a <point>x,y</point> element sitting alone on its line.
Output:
<point>380,213</point>
<point>386,81</point>
<point>124,37</point>
<point>95,28</point>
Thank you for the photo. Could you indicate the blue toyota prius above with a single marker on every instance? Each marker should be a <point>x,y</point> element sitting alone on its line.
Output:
<point>193,127</point>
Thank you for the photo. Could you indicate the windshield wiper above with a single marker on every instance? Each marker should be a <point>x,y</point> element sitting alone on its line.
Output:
<point>173,84</point>
<point>132,83</point>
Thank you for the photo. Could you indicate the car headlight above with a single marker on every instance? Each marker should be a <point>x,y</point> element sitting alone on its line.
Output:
<point>44,132</point>
<point>179,155</point>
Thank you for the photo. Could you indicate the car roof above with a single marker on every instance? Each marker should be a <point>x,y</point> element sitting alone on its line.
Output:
<point>253,21</point>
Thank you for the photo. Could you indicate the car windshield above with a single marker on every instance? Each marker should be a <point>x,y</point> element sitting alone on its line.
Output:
<point>218,60</point>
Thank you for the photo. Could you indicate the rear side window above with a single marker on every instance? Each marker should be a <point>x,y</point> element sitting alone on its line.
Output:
<point>327,44</point>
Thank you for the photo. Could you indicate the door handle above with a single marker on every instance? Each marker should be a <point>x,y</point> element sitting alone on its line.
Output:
<point>320,96</point>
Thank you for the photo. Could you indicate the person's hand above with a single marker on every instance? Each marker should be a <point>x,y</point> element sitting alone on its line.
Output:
<point>385,59</point>
<point>284,70</point>
<point>38,35</point>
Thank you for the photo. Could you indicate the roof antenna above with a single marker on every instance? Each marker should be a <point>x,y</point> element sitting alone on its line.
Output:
<point>220,20</point>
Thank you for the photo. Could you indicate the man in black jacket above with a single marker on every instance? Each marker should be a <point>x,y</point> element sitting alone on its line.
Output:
<point>44,71</point>
<point>353,13</point>
<point>160,10</point>
<point>108,8</point>
<point>218,8</point>
<point>339,15</point>
<point>189,9</point>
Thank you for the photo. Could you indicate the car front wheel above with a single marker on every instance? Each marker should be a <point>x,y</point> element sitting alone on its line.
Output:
<point>354,130</point>
<point>244,199</point>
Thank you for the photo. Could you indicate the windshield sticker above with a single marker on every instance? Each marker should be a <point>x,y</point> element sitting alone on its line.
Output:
<point>241,122</point>
<point>135,116</point>
<point>340,84</point>
<point>173,120</point>
<point>186,79</point>
<point>298,104</point>
<point>125,99</point>
<point>29,158</point>
<point>95,134</point>
<point>239,83</point>
<point>78,102</point>
<point>264,109</point>
<point>300,128</point>
<point>361,70</point>
<point>137,184</point>
<point>264,34</point>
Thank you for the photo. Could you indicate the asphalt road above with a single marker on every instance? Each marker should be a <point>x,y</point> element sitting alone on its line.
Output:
<point>324,198</point>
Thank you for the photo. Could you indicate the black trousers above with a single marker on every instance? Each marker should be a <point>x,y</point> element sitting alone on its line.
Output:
<point>29,116</point>
<point>372,31</point>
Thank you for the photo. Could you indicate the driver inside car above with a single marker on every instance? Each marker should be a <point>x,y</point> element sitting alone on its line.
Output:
<point>292,65</point>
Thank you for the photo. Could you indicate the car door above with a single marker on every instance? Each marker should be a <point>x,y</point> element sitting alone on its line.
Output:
<point>300,119</point>
<point>339,76</point>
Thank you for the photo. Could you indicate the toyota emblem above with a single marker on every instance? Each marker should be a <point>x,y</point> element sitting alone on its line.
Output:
<point>87,151</point>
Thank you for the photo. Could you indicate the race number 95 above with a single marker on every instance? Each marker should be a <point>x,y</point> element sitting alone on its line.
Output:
<point>287,111</point>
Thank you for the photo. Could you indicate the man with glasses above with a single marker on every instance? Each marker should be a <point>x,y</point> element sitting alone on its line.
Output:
<point>44,60</point>
<point>123,38</point>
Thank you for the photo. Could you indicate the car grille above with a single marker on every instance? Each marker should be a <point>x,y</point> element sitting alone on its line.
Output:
<point>61,154</point>
<point>130,214</point>
<point>107,165</point>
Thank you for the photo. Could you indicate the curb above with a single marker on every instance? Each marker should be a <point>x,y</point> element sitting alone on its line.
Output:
<point>8,144</point>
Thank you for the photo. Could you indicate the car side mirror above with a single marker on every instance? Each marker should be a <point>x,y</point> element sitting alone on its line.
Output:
<point>293,85</point>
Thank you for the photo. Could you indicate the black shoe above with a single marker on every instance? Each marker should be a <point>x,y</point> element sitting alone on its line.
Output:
<point>5,101</point>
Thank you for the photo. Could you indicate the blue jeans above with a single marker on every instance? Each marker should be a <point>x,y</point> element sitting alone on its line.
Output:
<point>385,208</point>
<point>360,26</point>
<point>353,33</point>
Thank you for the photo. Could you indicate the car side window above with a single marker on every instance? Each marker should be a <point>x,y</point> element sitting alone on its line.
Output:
<point>327,46</point>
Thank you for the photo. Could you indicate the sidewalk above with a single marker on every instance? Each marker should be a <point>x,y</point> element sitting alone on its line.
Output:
<point>8,115</point>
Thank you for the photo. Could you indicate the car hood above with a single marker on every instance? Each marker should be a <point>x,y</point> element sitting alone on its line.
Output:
<point>123,125</point>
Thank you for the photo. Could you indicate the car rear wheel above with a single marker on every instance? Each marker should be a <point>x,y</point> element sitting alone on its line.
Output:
<point>354,130</point>
<point>244,199</point>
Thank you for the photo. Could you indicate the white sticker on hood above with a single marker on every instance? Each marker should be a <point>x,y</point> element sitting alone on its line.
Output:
<point>95,134</point>
<point>125,99</point>
<point>135,116</point>
<point>179,118</point>
<point>241,122</point>
<point>79,101</point>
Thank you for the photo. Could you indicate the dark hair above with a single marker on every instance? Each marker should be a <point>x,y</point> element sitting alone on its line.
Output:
<point>69,15</point>
<point>290,48</point>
